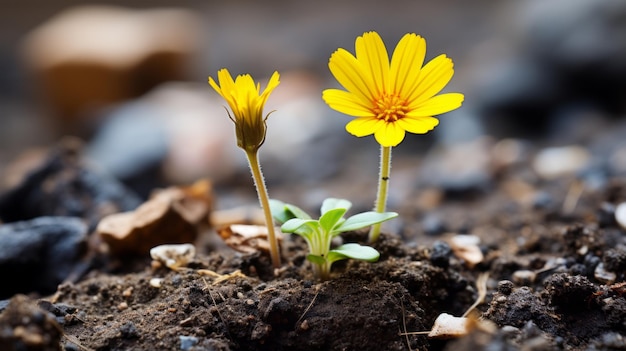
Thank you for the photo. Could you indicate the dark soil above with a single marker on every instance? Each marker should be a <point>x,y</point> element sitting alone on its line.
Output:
<point>546,289</point>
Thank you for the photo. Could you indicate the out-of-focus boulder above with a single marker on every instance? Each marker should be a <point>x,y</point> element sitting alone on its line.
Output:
<point>88,57</point>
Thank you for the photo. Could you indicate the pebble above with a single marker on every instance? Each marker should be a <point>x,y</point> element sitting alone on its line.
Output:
<point>524,277</point>
<point>156,282</point>
<point>505,287</point>
<point>554,162</point>
<point>65,184</point>
<point>620,215</point>
<point>458,168</point>
<point>127,51</point>
<point>187,342</point>
<point>174,256</point>
<point>37,255</point>
<point>440,254</point>
<point>604,276</point>
<point>448,326</point>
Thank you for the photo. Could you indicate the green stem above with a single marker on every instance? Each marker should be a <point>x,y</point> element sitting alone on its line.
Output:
<point>383,185</point>
<point>255,167</point>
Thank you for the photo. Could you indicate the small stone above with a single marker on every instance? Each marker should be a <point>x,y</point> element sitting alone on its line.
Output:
<point>505,287</point>
<point>187,342</point>
<point>304,325</point>
<point>449,326</point>
<point>554,162</point>
<point>128,292</point>
<point>524,277</point>
<point>604,276</point>
<point>156,282</point>
<point>122,306</point>
<point>440,254</point>
<point>620,215</point>
<point>174,256</point>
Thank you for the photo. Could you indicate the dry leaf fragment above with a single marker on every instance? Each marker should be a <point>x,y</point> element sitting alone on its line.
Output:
<point>173,256</point>
<point>466,247</point>
<point>170,216</point>
<point>246,238</point>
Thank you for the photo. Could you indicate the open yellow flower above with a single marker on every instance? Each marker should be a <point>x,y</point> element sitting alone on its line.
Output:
<point>246,102</point>
<point>389,99</point>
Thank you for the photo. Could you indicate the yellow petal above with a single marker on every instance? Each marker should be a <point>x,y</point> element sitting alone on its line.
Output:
<point>433,77</point>
<point>406,62</point>
<point>437,105</point>
<point>364,126</point>
<point>346,103</point>
<point>389,134</point>
<point>418,125</point>
<point>371,52</point>
<point>351,74</point>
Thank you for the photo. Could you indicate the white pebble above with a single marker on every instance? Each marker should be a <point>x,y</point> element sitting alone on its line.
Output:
<point>448,326</point>
<point>554,162</point>
<point>604,276</point>
<point>173,256</point>
<point>156,282</point>
<point>620,215</point>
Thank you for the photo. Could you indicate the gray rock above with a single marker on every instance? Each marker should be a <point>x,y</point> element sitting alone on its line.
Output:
<point>37,255</point>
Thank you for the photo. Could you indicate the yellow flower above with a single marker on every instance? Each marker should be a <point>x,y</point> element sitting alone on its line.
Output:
<point>246,102</point>
<point>389,99</point>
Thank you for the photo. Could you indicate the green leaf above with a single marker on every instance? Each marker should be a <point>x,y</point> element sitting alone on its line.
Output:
<point>364,219</point>
<point>279,211</point>
<point>330,219</point>
<point>332,203</point>
<point>354,251</point>
<point>299,226</point>
<point>297,212</point>
<point>316,259</point>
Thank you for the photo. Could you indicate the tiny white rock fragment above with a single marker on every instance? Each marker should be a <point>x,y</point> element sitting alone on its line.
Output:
<point>524,277</point>
<point>604,276</point>
<point>620,215</point>
<point>554,162</point>
<point>466,248</point>
<point>156,282</point>
<point>174,256</point>
<point>449,326</point>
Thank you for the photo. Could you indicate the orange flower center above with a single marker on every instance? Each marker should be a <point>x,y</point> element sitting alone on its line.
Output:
<point>390,108</point>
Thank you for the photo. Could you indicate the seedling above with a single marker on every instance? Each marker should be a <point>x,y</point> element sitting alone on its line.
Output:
<point>318,233</point>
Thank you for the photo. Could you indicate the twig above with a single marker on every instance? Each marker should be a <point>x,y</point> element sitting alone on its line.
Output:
<point>406,336</point>
<point>317,292</point>
<point>219,314</point>
<point>481,286</point>
<point>75,341</point>
<point>573,196</point>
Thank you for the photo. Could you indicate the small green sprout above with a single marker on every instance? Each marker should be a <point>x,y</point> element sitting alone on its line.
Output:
<point>319,233</point>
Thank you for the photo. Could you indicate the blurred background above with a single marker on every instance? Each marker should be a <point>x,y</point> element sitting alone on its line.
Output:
<point>129,79</point>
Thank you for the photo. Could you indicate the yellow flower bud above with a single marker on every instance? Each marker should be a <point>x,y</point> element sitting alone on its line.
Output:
<point>246,102</point>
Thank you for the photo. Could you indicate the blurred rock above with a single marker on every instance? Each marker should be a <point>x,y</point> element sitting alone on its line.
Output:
<point>174,256</point>
<point>132,145</point>
<point>171,216</point>
<point>554,162</point>
<point>459,168</point>
<point>65,184</point>
<point>91,56</point>
<point>563,71</point>
<point>24,326</point>
<point>37,255</point>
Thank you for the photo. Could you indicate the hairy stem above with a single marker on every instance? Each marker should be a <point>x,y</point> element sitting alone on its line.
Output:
<point>259,182</point>
<point>383,185</point>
